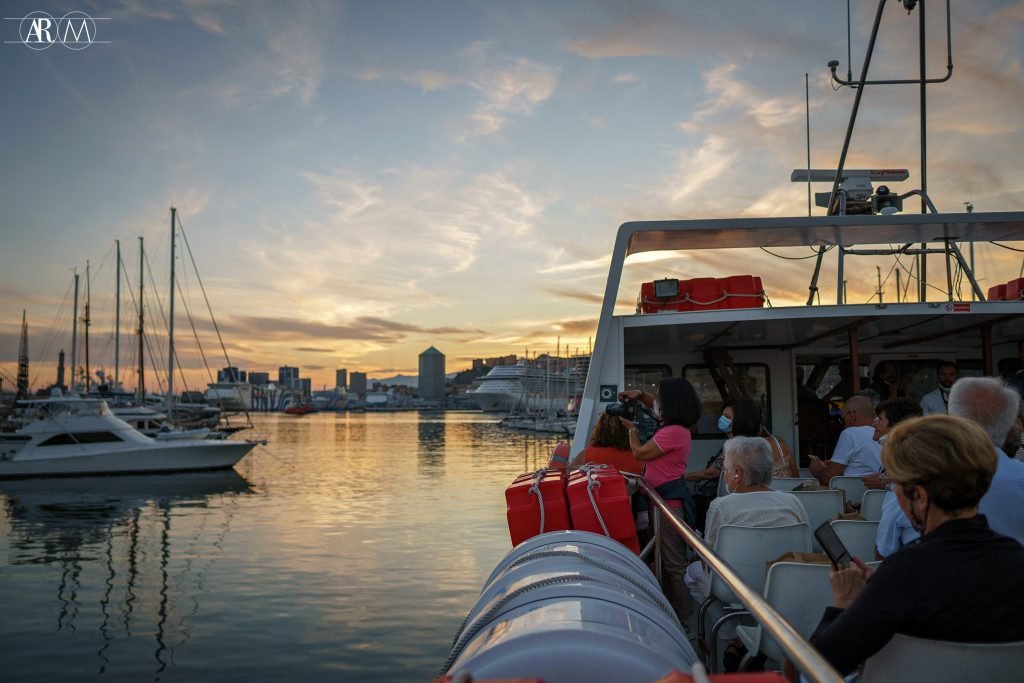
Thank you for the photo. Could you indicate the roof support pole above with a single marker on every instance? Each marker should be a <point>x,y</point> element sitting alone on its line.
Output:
<point>967,269</point>
<point>854,359</point>
<point>986,349</point>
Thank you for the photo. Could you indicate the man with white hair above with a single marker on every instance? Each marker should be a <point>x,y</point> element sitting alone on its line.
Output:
<point>994,406</point>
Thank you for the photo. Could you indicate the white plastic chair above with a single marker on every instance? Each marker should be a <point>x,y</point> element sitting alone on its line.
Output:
<point>852,487</point>
<point>871,504</point>
<point>799,593</point>
<point>747,550</point>
<point>821,507</point>
<point>789,483</point>
<point>858,537</point>
<point>914,659</point>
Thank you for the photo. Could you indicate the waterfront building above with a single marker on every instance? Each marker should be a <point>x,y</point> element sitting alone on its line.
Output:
<point>259,379</point>
<point>357,383</point>
<point>231,374</point>
<point>287,377</point>
<point>304,385</point>
<point>431,379</point>
<point>341,378</point>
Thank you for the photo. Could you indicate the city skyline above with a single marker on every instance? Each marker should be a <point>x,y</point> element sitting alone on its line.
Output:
<point>359,181</point>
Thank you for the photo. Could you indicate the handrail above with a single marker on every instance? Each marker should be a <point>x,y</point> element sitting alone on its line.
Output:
<point>804,657</point>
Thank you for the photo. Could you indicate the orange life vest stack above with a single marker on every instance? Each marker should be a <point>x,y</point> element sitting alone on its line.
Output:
<point>536,504</point>
<point>599,502</point>
<point>701,294</point>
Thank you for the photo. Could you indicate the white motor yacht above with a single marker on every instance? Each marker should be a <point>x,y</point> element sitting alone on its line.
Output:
<point>73,436</point>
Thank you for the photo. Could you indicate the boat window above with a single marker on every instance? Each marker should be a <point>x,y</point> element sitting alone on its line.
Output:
<point>645,377</point>
<point>753,376</point>
<point>66,439</point>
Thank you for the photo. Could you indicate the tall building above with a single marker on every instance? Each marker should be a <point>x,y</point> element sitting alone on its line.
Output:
<point>431,379</point>
<point>259,378</point>
<point>231,374</point>
<point>358,383</point>
<point>305,386</point>
<point>341,378</point>
<point>287,376</point>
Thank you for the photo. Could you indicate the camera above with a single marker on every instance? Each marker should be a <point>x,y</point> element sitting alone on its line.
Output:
<point>626,409</point>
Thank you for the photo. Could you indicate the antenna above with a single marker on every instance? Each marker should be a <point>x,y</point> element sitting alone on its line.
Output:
<point>807,103</point>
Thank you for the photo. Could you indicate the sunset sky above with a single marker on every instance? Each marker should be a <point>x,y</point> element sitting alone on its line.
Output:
<point>361,180</point>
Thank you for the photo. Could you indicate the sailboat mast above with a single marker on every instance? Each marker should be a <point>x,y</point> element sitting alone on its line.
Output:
<point>142,329</point>
<point>74,338</point>
<point>170,327</point>
<point>117,318</point>
<point>86,321</point>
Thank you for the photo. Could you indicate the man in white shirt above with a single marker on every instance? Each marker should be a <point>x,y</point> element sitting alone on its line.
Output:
<point>937,402</point>
<point>857,454</point>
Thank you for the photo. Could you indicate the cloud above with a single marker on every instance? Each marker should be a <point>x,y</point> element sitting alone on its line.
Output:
<point>313,349</point>
<point>509,87</point>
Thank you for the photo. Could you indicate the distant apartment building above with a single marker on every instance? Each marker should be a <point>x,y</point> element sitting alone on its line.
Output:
<point>259,379</point>
<point>304,385</point>
<point>288,377</point>
<point>481,363</point>
<point>231,374</point>
<point>341,378</point>
<point>357,384</point>
<point>431,379</point>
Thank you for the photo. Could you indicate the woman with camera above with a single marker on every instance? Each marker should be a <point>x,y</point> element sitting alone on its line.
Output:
<point>665,455</point>
<point>961,582</point>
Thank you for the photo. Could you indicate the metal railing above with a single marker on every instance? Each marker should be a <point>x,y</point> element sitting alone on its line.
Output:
<point>802,655</point>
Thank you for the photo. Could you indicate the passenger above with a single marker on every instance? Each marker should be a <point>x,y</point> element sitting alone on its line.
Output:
<point>609,445</point>
<point>994,406</point>
<point>960,583</point>
<point>857,454</point>
<point>703,484</point>
<point>885,381</point>
<point>748,473</point>
<point>894,529</point>
<point>746,420</point>
<point>844,387</point>
<point>665,457</point>
<point>937,402</point>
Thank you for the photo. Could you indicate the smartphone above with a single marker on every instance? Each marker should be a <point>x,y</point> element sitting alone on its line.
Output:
<point>832,546</point>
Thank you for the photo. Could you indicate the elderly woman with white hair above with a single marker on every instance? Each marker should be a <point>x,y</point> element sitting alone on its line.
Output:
<point>747,475</point>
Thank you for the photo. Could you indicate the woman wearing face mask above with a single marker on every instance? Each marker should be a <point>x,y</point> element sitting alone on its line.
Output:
<point>961,582</point>
<point>743,418</point>
<point>665,458</point>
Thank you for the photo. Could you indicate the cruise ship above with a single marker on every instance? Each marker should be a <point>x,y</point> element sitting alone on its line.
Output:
<point>531,387</point>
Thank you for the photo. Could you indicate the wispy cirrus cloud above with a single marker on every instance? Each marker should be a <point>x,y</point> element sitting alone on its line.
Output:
<point>508,87</point>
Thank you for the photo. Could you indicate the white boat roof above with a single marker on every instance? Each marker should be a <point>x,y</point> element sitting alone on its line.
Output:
<point>731,233</point>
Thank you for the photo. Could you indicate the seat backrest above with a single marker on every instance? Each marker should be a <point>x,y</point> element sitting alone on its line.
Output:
<point>858,537</point>
<point>748,550</point>
<point>914,659</point>
<point>789,483</point>
<point>821,506</point>
<point>871,504</point>
<point>800,593</point>
<point>853,487</point>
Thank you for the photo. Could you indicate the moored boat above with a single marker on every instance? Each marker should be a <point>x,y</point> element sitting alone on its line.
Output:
<point>63,436</point>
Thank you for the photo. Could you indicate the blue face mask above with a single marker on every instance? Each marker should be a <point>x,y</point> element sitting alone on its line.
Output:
<point>724,424</point>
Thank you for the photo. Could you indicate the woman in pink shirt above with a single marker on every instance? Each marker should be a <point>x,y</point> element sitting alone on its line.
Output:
<point>665,457</point>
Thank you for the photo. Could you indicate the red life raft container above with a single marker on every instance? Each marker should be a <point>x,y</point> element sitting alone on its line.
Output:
<point>527,496</point>
<point>560,456</point>
<point>599,502</point>
<point>701,294</point>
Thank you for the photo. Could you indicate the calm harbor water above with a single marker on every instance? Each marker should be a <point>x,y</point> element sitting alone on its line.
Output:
<point>348,548</point>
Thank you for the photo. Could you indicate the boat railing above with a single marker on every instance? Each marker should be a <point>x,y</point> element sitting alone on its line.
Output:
<point>802,655</point>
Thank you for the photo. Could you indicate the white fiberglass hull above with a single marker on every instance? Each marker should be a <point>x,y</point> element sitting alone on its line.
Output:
<point>158,457</point>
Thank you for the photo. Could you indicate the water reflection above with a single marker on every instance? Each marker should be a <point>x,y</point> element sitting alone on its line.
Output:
<point>431,444</point>
<point>110,540</point>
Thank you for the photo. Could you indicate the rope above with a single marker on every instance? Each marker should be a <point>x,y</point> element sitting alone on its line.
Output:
<point>483,620</point>
<point>687,298</point>
<point>592,484</point>
<point>535,491</point>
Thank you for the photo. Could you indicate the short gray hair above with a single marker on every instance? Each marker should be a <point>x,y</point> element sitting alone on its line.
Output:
<point>753,455</point>
<point>988,402</point>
